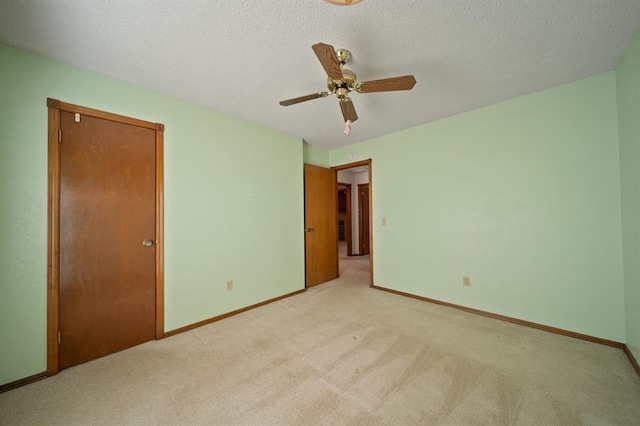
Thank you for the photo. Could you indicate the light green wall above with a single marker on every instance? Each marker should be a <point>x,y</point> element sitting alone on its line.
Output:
<point>628,79</point>
<point>522,196</point>
<point>315,156</point>
<point>233,198</point>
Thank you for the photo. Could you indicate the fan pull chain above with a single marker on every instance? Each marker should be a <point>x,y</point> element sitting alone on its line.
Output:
<point>347,127</point>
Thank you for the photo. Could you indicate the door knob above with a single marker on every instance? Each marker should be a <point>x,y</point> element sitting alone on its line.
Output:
<point>147,243</point>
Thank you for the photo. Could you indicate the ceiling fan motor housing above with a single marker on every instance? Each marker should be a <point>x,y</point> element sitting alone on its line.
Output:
<point>343,86</point>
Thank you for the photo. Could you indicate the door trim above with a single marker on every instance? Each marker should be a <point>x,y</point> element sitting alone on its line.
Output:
<point>53,220</point>
<point>369,164</point>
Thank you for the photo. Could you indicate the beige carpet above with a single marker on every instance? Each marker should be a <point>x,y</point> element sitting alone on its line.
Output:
<point>343,354</point>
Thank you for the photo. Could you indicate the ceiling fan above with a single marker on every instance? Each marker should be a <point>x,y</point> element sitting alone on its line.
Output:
<point>341,81</point>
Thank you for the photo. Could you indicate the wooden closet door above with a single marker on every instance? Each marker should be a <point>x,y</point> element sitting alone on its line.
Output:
<point>107,237</point>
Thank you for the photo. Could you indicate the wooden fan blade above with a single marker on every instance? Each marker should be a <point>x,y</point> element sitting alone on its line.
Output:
<point>303,98</point>
<point>327,56</point>
<point>348,110</point>
<point>405,82</point>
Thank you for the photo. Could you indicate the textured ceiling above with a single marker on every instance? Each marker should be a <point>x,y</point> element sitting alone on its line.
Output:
<point>242,57</point>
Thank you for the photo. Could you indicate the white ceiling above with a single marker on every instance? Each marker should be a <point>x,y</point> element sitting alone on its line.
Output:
<point>242,57</point>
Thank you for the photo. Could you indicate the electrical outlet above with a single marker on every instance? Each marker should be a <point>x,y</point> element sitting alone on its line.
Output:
<point>466,281</point>
<point>229,285</point>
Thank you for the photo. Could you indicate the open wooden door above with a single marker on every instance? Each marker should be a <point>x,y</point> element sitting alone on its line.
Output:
<point>346,215</point>
<point>363,218</point>
<point>321,225</point>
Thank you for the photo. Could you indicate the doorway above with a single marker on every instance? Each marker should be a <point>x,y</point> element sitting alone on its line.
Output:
<point>358,177</point>
<point>105,276</point>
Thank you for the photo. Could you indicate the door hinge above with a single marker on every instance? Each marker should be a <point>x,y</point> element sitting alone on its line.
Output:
<point>59,135</point>
<point>58,336</point>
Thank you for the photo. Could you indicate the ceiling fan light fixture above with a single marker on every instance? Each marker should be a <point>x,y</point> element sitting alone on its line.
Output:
<point>344,2</point>
<point>341,81</point>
